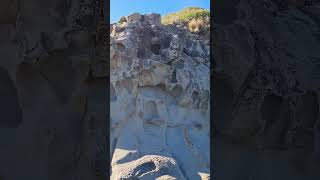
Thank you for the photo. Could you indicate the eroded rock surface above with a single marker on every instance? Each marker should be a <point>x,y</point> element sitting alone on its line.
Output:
<point>159,92</point>
<point>266,85</point>
<point>53,91</point>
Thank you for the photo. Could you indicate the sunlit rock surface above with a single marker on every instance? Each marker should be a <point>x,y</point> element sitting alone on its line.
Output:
<point>159,93</point>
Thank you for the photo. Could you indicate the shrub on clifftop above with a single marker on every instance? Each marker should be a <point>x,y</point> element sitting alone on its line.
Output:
<point>195,18</point>
<point>186,15</point>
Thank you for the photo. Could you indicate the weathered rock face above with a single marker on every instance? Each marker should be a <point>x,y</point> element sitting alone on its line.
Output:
<point>152,18</point>
<point>52,91</point>
<point>159,92</point>
<point>266,85</point>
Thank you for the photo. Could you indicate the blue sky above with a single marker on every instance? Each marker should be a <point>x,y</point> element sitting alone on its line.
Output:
<point>120,8</point>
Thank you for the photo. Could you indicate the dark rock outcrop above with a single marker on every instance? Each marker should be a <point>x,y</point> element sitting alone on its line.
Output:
<point>266,89</point>
<point>52,91</point>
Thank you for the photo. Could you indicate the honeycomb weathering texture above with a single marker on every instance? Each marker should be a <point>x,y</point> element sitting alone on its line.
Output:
<point>160,111</point>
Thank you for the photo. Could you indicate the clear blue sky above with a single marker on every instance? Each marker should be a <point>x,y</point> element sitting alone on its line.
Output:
<point>120,8</point>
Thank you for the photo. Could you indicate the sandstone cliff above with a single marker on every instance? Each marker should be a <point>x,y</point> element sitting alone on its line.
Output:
<point>159,92</point>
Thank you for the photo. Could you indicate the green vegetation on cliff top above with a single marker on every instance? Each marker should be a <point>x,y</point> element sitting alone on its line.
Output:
<point>187,14</point>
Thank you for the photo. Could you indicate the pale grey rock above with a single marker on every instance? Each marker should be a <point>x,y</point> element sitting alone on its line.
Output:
<point>159,81</point>
<point>134,17</point>
<point>166,177</point>
<point>153,18</point>
<point>147,167</point>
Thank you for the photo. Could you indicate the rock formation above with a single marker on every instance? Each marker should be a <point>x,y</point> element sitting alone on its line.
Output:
<point>266,89</point>
<point>159,93</point>
<point>53,91</point>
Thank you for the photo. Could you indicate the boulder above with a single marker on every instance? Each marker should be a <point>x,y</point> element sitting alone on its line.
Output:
<point>134,17</point>
<point>153,18</point>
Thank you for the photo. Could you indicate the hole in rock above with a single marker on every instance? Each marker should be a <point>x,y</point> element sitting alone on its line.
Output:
<point>141,53</point>
<point>198,125</point>
<point>150,110</point>
<point>179,64</point>
<point>195,96</point>
<point>195,99</point>
<point>10,110</point>
<point>155,49</point>
<point>174,77</point>
<point>161,86</point>
<point>144,168</point>
<point>121,47</point>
